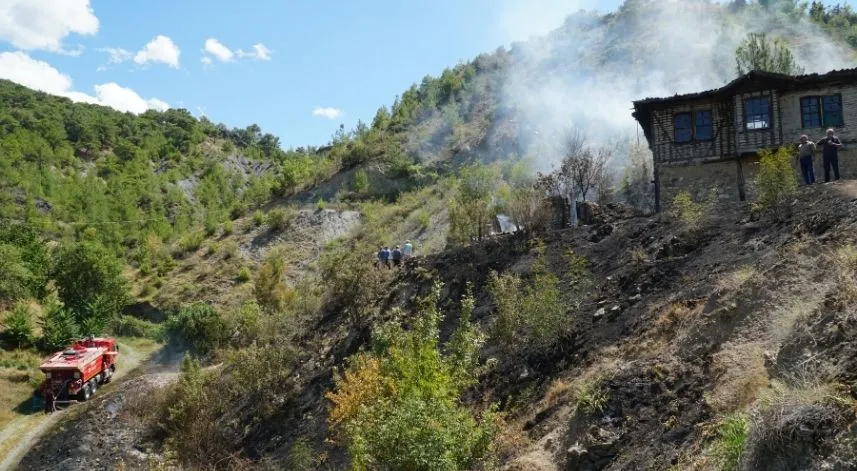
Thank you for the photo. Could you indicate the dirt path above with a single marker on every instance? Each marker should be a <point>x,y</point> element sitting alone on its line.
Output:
<point>23,433</point>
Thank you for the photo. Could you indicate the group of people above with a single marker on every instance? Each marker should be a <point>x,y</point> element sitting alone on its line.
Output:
<point>830,146</point>
<point>394,257</point>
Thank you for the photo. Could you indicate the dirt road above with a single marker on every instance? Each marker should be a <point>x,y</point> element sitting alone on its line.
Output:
<point>20,435</point>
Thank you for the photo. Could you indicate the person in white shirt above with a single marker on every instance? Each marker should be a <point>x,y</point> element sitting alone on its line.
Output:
<point>408,249</point>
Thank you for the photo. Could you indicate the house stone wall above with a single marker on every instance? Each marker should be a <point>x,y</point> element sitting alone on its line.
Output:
<point>701,180</point>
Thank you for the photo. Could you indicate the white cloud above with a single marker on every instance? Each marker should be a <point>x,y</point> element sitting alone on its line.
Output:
<point>117,54</point>
<point>160,49</point>
<point>43,24</point>
<point>218,50</point>
<point>124,99</point>
<point>328,113</point>
<point>259,52</point>
<point>23,69</point>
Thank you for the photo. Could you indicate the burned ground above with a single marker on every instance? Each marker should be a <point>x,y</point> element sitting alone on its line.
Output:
<point>685,325</point>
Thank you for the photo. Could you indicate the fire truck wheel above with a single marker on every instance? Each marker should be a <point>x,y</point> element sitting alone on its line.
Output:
<point>85,393</point>
<point>94,383</point>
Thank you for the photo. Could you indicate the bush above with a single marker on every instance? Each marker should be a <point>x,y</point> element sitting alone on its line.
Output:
<point>533,314</point>
<point>243,275</point>
<point>686,210</point>
<point>191,241</point>
<point>777,182</point>
<point>361,182</point>
<point>229,249</point>
<point>18,325</point>
<point>200,325</point>
<point>228,228</point>
<point>258,217</point>
<point>130,326</point>
<point>270,291</point>
<point>382,404</point>
<point>590,397</point>
<point>17,278</point>
<point>280,219</point>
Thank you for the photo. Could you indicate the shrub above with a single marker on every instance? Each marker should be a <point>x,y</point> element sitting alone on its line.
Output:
<point>534,314</point>
<point>270,291</point>
<point>212,248</point>
<point>686,210</point>
<point>229,249</point>
<point>258,217</point>
<point>361,182</point>
<point>382,404</point>
<point>228,228</point>
<point>200,325</point>
<point>17,278</point>
<point>191,241</point>
<point>777,182</point>
<point>590,397</point>
<point>280,218</point>
<point>244,275</point>
<point>320,204</point>
<point>424,219</point>
<point>18,325</point>
<point>130,326</point>
<point>731,439</point>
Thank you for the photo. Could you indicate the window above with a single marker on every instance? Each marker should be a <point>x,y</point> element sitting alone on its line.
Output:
<point>831,109</point>
<point>809,112</point>
<point>821,111</point>
<point>703,129</point>
<point>683,130</point>
<point>757,113</point>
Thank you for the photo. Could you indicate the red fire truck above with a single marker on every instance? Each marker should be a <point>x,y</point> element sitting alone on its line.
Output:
<point>74,374</point>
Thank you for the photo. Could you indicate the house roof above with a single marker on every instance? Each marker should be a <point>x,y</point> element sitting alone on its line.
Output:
<point>754,80</point>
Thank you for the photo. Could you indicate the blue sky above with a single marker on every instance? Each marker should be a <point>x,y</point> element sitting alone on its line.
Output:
<point>342,59</point>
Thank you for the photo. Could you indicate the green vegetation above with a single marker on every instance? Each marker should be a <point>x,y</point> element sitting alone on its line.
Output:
<point>18,326</point>
<point>757,52</point>
<point>590,397</point>
<point>730,443</point>
<point>686,209</point>
<point>473,205</point>
<point>388,395</point>
<point>534,315</point>
<point>776,181</point>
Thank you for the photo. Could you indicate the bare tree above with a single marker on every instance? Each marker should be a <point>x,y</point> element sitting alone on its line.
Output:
<point>585,169</point>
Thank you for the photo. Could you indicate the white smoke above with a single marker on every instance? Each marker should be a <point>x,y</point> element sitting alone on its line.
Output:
<point>587,73</point>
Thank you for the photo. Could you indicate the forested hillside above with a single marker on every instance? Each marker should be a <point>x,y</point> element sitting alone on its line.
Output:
<point>258,263</point>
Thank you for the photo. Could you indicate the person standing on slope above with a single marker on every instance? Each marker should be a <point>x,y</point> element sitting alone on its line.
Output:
<point>805,151</point>
<point>830,155</point>
<point>385,257</point>
<point>408,250</point>
<point>397,256</point>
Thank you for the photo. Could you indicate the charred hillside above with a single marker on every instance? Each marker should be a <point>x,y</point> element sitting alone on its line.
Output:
<point>687,332</point>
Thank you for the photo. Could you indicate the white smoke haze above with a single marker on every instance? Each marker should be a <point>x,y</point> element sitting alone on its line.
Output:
<point>587,73</point>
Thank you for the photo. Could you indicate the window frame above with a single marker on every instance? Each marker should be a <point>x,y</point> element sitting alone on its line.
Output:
<point>710,112</point>
<point>819,104</point>
<point>689,127</point>
<point>692,123</point>
<point>768,112</point>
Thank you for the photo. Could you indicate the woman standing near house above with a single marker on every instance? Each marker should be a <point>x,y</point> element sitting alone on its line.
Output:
<point>805,151</point>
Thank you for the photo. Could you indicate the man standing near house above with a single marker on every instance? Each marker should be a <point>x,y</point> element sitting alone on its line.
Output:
<point>805,151</point>
<point>830,155</point>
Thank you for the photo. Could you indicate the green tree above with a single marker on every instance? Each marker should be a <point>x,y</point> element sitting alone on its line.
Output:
<point>387,397</point>
<point>89,280</point>
<point>59,328</point>
<point>757,52</point>
<point>18,325</point>
<point>473,206</point>
<point>200,325</point>
<point>776,181</point>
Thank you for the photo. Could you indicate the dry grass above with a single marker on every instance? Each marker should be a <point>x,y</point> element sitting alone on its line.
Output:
<point>741,376</point>
<point>792,310</point>
<point>669,326</point>
<point>734,281</point>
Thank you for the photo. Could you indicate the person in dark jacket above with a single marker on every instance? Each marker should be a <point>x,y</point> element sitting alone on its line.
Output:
<point>385,257</point>
<point>397,256</point>
<point>805,151</point>
<point>830,155</point>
